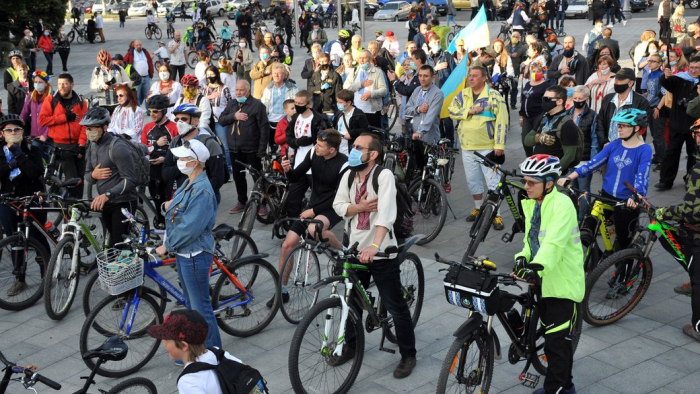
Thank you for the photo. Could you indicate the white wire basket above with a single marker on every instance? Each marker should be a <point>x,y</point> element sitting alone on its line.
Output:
<point>119,270</point>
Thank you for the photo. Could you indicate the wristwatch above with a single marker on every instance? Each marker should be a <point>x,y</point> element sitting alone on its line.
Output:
<point>108,194</point>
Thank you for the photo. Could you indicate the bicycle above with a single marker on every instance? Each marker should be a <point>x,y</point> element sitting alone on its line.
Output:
<point>455,30</point>
<point>505,32</point>
<point>79,32</point>
<point>171,29</point>
<point>153,31</point>
<point>113,349</point>
<point>469,361</point>
<point>270,189</point>
<point>505,190</point>
<point>610,288</point>
<point>398,157</point>
<point>192,57</point>
<point>320,336</point>
<point>239,301</point>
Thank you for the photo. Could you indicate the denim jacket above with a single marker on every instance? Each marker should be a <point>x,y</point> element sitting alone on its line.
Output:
<point>190,217</point>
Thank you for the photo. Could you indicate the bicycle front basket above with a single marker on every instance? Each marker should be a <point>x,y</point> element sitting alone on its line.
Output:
<point>119,270</point>
<point>469,288</point>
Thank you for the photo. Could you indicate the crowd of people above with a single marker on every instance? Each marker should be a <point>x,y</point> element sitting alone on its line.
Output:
<point>579,112</point>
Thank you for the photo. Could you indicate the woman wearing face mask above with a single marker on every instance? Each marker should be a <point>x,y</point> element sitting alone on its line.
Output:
<point>189,219</point>
<point>568,83</point>
<point>46,45</point>
<point>18,90</point>
<point>226,73</point>
<point>166,86</point>
<point>677,61</point>
<point>31,109</point>
<point>63,48</point>
<point>643,68</point>
<point>531,98</point>
<point>349,120</point>
<point>601,82</point>
<point>243,61</point>
<point>127,118</point>
<point>219,95</point>
<point>585,119</point>
<point>554,47</point>
<point>605,50</point>
<point>21,171</point>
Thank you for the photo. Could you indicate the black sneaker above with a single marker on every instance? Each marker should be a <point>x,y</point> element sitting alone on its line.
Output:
<point>347,355</point>
<point>285,299</point>
<point>662,186</point>
<point>405,367</point>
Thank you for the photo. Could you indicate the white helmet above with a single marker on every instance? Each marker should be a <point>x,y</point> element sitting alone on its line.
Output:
<point>541,166</point>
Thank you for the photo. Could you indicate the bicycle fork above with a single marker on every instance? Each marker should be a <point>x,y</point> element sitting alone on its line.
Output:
<point>345,310</point>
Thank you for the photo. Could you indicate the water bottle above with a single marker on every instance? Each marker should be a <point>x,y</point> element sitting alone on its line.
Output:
<point>515,321</point>
<point>52,229</point>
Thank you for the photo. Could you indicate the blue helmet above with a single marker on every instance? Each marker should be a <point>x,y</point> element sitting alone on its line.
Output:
<point>632,116</point>
<point>187,109</point>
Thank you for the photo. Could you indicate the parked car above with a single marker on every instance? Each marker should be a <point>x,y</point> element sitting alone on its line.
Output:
<point>98,6</point>
<point>441,6</point>
<point>643,5</point>
<point>139,8</point>
<point>113,7</point>
<point>215,7</point>
<point>177,9</point>
<point>393,11</point>
<point>371,9</point>
<point>577,9</point>
<point>462,4</point>
<point>88,6</point>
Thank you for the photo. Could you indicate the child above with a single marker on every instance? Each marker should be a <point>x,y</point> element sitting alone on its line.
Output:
<point>183,334</point>
<point>162,53</point>
<point>280,136</point>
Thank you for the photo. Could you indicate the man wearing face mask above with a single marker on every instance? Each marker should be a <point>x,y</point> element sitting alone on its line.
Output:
<point>247,138</point>
<point>569,62</point>
<point>27,45</point>
<point>311,65</point>
<point>518,53</point>
<point>418,59</point>
<point>690,44</point>
<point>683,86</point>
<point>188,123</point>
<point>557,134</point>
<point>110,167</point>
<point>591,38</point>
<point>325,84</point>
<point>369,85</point>
<point>485,60</point>
<point>317,35</point>
<point>261,74</point>
<point>176,49</point>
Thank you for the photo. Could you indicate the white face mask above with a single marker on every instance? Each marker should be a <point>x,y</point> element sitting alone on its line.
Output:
<point>39,87</point>
<point>606,71</point>
<point>93,135</point>
<point>182,166</point>
<point>183,128</point>
<point>242,45</point>
<point>14,138</point>
<point>164,76</point>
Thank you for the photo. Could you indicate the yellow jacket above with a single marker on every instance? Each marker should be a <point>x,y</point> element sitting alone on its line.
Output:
<point>485,130</point>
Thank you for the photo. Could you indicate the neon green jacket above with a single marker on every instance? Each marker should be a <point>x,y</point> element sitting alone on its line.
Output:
<point>560,253</point>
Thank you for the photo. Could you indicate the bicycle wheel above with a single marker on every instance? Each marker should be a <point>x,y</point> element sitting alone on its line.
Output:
<point>192,59</point>
<point>216,54</point>
<point>390,162</point>
<point>94,294</point>
<point>483,224</point>
<point>109,319</point>
<point>392,113</point>
<point>243,312</point>
<point>450,36</point>
<point>591,251</point>
<point>81,38</point>
<point>311,350</point>
<point>539,359</point>
<point>96,225</point>
<point>36,257</point>
<point>274,203</point>
<point>430,208</point>
<point>134,386</point>
<point>240,245</point>
<point>250,213</point>
<point>147,32</point>
<point>70,36</point>
<point>468,366</point>
<point>142,223</point>
<point>157,33</point>
<point>61,284</point>
<point>301,269</point>
<point>413,287</point>
<point>616,286</point>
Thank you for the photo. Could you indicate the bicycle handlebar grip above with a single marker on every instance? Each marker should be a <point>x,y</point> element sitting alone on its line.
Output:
<point>46,381</point>
<point>5,361</point>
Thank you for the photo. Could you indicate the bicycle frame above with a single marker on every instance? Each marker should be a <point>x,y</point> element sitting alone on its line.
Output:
<point>654,228</point>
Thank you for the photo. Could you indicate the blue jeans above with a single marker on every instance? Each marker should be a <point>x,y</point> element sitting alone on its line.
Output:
<point>451,18</point>
<point>143,89</point>
<point>221,134</point>
<point>561,15</point>
<point>193,273</point>
<point>584,184</point>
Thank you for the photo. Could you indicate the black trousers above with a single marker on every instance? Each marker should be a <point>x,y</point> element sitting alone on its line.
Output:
<point>177,72</point>
<point>625,220</point>
<point>73,167</point>
<point>158,189</point>
<point>669,167</point>
<point>558,347</point>
<point>692,254</point>
<point>113,218</point>
<point>63,53</point>
<point>288,33</point>
<point>9,221</point>
<point>240,177</point>
<point>297,191</point>
<point>374,119</point>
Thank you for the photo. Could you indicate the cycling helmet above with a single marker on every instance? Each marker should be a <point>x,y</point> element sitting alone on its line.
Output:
<point>189,79</point>
<point>190,28</point>
<point>344,34</point>
<point>11,118</point>
<point>104,58</point>
<point>96,116</point>
<point>632,116</point>
<point>541,166</point>
<point>158,101</point>
<point>15,53</point>
<point>187,109</point>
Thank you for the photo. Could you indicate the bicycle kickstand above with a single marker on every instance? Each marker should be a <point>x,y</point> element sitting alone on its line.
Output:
<point>381,343</point>
<point>451,211</point>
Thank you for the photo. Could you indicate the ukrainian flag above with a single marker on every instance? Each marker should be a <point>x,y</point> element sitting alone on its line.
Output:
<point>475,35</point>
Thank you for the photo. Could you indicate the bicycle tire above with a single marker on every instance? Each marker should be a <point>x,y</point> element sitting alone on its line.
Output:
<point>450,37</point>
<point>238,246</point>
<point>598,286</point>
<point>485,213</point>
<point>33,277</point>
<point>141,384</point>
<point>459,353</point>
<point>591,251</point>
<point>158,33</point>
<point>327,310</point>
<point>94,294</point>
<point>57,302</point>
<point>390,162</point>
<point>423,212</point>
<point>147,32</point>
<point>242,321</point>
<point>249,215</point>
<point>70,36</point>
<point>274,203</point>
<point>392,113</point>
<point>81,38</point>
<point>192,59</point>
<point>539,359</point>
<point>216,54</point>
<point>413,288</point>
<point>300,300</point>
<point>109,326</point>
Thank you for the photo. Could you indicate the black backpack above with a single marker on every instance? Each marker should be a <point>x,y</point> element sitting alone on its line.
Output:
<point>403,225</point>
<point>234,377</point>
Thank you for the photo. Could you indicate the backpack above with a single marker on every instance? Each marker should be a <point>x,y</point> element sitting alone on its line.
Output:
<point>139,155</point>
<point>328,45</point>
<point>579,143</point>
<point>234,377</point>
<point>403,225</point>
<point>592,40</point>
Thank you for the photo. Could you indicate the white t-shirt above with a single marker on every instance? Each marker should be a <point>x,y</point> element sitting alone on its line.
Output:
<point>200,71</point>
<point>344,148</point>
<point>204,382</point>
<point>162,52</point>
<point>302,128</point>
<point>141,63</point>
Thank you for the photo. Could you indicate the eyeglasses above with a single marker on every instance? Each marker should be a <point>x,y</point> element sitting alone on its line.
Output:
<point>360,148</point>
<point>180,118</point>
<point>13,130</point>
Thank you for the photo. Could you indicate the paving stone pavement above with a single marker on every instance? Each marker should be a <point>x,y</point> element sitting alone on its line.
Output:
<point>643,353</point>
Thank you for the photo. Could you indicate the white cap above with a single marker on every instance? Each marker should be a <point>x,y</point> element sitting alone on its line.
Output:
<point>192,148</point>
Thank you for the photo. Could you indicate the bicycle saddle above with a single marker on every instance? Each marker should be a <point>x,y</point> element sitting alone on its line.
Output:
<point>223,231</point>
<point>114,349</point>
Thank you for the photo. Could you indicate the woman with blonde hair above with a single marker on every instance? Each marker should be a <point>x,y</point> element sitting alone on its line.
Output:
<point>228,77</point>
<point>678,23</point>
<point>503,63</point>
<point>32,108</point>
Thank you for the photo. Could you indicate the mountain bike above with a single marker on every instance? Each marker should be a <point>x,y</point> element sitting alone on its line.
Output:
<point>455,30</point>
<point>153,31</point>
<point>505,32</point>
<point>398,156</point>
<point>320,336</point>
<point>620,281</point>
<point>192,57</point>
<point>469,362</point>
<point>113,349</point>
<point>239,301</point>
<point>79,32</point>
<point>270,189</point>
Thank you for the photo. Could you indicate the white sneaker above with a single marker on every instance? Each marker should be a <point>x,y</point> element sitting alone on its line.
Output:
<point>609,25</point>
<point>624,23</point>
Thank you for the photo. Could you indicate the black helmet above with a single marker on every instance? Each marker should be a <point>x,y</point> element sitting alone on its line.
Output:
<point>11,118</point>
<point>158,101</point>
<point>96,116</point>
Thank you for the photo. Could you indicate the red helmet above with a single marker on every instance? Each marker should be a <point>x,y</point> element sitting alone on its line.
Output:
<point>189,79</point>
<point>104,58</point>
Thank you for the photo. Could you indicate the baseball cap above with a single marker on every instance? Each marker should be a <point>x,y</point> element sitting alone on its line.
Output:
<point>459,41</point>
<point>625,73</point>
<point>192,148</point>
<point>118,56</point>
<point>389,33</point>
<point>489,51</point>
<point>182,325</point>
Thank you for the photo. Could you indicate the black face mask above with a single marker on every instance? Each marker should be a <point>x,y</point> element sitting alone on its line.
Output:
<point>300,108</point>
<point>325,67</point>
<point>211,79</point>
<point>621,88</point>
<point>568,52</point>
<point>579,104</point>
<point>548,105</point>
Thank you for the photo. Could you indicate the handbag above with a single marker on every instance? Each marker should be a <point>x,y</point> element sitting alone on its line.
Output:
<point>408,24</point>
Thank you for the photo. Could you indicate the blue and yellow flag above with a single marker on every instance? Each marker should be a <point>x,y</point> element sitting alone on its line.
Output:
<point>475,35</point>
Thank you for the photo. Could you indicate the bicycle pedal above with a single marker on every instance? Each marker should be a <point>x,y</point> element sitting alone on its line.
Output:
<point>529,380</point>
<point>392,351</point>
<point>507,237</point>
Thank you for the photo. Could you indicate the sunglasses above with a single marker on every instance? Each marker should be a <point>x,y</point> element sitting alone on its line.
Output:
<point>182,119</point>
<point>624,126</point>
<point>153,111</point>
<point>13,130</point>
<point>121,95</point>
<point>325,138</point>
<point>548,99</point>
<point>530,183</point>
<point>187,146</point>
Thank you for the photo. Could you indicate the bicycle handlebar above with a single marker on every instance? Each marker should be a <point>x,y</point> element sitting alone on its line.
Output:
<point>249,168</point>
<point>495,166</point>
<point>318,230</point>
<point>43,379</point>
<point>639,197</point>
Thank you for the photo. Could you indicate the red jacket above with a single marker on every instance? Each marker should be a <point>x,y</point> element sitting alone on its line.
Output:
<point>45,44</point>
<point>129,59</point>
<point>281,136</point>
<point>53,116</point>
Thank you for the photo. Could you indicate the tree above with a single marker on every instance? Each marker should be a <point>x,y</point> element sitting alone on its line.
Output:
<point>24,14</point>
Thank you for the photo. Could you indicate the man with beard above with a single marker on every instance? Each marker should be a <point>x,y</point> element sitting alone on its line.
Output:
<point>570,63</point>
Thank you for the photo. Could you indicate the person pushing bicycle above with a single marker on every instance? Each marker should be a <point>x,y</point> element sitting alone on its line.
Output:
<point>553,244</point>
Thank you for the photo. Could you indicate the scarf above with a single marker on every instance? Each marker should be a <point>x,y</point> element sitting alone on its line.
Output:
<point>362,217</point>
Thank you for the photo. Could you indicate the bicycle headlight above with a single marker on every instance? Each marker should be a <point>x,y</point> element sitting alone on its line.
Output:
<point>442,162</point>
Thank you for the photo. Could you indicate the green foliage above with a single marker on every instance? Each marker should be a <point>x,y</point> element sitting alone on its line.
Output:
<point>18,15</point>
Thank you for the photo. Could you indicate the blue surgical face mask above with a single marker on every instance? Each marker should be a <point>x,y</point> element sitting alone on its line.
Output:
<point>264,56</point>
<point>241,99</point>
<point>341,107</point>
<point>569,92</point>
<point>672,63</point>
<point>413,66</point>
<point>364,66</point>
<point>355,160</point>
